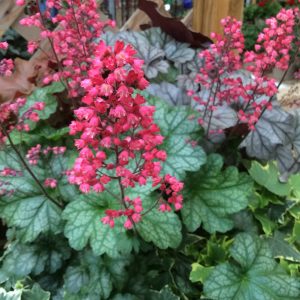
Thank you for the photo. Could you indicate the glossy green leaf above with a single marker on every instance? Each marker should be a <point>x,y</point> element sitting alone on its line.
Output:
<point>268,176</point>
<point>199,273</point>
<point>281,248</point>
<point>212,196</point>
<point>254,275</point>
<point>268,225</point>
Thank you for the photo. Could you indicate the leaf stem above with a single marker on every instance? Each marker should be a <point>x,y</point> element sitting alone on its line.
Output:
<point>28,168</point>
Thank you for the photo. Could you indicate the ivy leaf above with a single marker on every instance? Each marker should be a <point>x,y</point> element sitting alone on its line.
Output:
<point>88,278</point>
<point>84,227</point>
<point>12,295</point>
<point>164,294</point>
<point>282,249</point>
<point>254,276</point>
<point>200,273</point>
<point>161,228</point>
<point>212,196</point>
<point>36,293</point>
<point>177,127</point>
<point>267,176</point>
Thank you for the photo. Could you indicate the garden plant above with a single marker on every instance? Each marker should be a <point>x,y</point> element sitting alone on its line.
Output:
<point>143,168</point>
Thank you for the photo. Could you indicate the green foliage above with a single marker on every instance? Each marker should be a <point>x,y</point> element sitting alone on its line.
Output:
<point>213,195</point>
<point>178,128</point>
<point>57,247</point>
<point>268,177</point>
<point>23,293</point>
<point>163,229</point>
<point>255,275</point>
<point>84,226</point>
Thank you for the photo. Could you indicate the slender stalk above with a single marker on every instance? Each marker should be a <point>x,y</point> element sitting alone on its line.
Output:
<point>214,102</point>
<point>152,207</point>
<point>28,168</point>
<point>65,84</point>
<point>78,29</point>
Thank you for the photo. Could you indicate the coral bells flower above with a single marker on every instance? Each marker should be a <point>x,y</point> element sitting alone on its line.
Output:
<point>6,67</point>
<point>132,212</point>
<point>116,137</point>
<point>3,45</point>
<point>220,78</point>
<point>20,2</point>
<point>8,111</point>
<point>172,188</point>
<point>274,43</point>
<point>121,123</point>
<point>51,183</point>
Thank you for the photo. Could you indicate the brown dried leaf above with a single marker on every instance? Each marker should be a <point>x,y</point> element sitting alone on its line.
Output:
<point>25,78</point>
<point>173,27</point>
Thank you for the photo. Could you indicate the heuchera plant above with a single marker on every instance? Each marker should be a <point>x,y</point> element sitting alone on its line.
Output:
<point>104,189</point>
<point>118,139</point>
<point>227,56</point>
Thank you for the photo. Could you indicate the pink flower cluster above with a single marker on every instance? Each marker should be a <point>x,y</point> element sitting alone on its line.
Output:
<point>3,45</point>
<point>7,113</point>
<point>172,188</point>
<point>50,182</point>
<point>73,40</point>
<point>132,213</point>
<point>5,186</point>
<point>117,139</point>
<point>225,57</point>
<point>274,43</point>
<point>34,153</point>
<point>116,121</point>
<point>6,67</point>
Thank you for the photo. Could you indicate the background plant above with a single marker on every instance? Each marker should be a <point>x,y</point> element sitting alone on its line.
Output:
<point>56,245</point>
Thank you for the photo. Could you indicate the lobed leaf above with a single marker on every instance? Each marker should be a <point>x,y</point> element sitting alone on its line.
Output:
<point>178,127</point>
<point>212,196</point>
<point>254,276</point>
<point>161,228</point>
<point>84,227</point>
